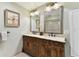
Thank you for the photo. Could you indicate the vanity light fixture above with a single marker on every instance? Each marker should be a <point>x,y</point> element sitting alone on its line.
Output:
<point>57,5</point>
<point>48,8</point>
<point>34,12</point>
<point>51,6</point>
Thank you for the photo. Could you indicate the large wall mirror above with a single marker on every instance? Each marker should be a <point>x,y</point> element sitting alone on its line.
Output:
<point>35,23</point>
<point>53,21</point>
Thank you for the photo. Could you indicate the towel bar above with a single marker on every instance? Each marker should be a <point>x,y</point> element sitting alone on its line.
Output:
<point>8,32</point>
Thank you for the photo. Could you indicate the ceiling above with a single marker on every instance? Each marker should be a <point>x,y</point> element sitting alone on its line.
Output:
<point>30,5</point>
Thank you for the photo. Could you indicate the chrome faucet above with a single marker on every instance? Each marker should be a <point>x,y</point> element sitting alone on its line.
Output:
<point>52,34</point>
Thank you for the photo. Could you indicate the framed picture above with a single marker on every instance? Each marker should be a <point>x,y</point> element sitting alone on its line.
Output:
<point>11,18</point>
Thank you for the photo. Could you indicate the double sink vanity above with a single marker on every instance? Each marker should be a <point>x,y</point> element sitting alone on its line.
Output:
<point>43,46</point>
<point>47,22</point>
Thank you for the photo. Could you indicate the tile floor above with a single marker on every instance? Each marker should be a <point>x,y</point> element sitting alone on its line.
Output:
<point>22,55</point>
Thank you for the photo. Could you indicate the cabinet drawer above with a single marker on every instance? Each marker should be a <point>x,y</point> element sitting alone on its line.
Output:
<point>57,43</point>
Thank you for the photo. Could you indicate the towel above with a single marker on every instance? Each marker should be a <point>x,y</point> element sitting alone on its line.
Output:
<point>4,35</point>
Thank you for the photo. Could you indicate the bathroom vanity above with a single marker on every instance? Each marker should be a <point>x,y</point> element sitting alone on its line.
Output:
<point>43,46</point>
<point>46,22</point>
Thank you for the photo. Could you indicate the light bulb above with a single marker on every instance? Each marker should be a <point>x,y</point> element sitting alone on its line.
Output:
<point>32,14</point>
<point>36,12</point>
<point>48,8</point>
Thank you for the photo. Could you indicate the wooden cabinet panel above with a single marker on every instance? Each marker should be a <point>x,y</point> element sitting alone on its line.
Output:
<point>42,51</point>
<point>42,48</point>
<point>27,45</point>
<point>35,47</point>
<point>54,52</point>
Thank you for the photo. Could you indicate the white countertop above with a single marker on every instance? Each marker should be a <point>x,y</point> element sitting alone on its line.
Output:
<point>59,39</point>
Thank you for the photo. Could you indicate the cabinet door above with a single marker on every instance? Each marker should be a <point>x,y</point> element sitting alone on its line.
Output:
<point>42,48</point>
<point>42,51</point>
<point>56,49</point>
<point>52,51</point>
<point>62,54</point>
<point>27,45</point>
<point>35,47</point>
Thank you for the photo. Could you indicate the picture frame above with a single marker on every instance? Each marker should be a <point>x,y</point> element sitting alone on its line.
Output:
<point>11,18</point>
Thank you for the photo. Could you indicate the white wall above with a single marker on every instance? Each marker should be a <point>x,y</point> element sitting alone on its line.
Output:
<point>66,31</point>
<point>74,32</point>
<point>9,47</point>
<point>69,46</point>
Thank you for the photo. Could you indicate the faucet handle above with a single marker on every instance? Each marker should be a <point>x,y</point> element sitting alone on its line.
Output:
<point>52,34</point>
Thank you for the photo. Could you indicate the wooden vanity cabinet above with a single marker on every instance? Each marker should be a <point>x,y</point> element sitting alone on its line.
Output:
<point>42,48</point>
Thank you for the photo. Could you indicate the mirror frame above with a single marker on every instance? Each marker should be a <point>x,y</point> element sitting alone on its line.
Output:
<point>62,9</point>
<point>61,24</point>
<point>31,23</point>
